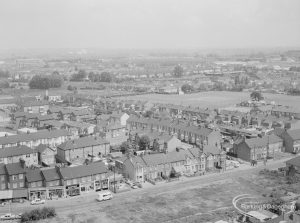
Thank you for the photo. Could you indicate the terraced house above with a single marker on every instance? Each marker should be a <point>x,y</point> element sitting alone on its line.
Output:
<point>153,167</point>
<point>291,140</point>
<point>184,131</point>
<point>32,140</point>
<point>81,179</point>
<point>15,154</point>
<point>258,148</point>
<point>82,148</point>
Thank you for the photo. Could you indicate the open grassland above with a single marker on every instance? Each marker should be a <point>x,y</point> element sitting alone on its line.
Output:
<point>215,99</point>
<point>207,203</point>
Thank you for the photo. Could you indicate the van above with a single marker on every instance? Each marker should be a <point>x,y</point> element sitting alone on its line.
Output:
<point>104,195</point>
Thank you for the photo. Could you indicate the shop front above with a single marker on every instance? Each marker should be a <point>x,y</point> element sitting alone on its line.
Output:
<point>101,185</point>
<point>86,187</point>
<point>55,192</point>
<point>73,190</point>
<point>37,193</point>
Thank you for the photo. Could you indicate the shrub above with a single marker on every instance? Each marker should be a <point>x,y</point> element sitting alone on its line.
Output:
<point>38,214</point>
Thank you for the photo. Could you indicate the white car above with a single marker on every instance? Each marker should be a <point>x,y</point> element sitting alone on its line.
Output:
<point>133,186</point>
<point>8,216</point>
<point>37,201</point>
<point>104,196</point>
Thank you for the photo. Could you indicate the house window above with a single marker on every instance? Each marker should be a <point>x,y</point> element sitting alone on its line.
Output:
<point>21,176</point>
<point>14,177</point>
<point>69,182</point>
<point>39,184</point>
<point>15,185</point>
<point>27,155</point>
<point>33,184</point>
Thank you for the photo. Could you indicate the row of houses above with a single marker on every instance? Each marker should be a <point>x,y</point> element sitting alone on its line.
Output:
<point>32,140</point>
<point>158,166</point>
<point>52,182</point>
<point>183,131</point>
<point>259,148</point>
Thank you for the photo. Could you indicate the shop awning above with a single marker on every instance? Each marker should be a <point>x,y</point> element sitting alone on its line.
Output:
<point>20,193</point>
<point>6,194</point>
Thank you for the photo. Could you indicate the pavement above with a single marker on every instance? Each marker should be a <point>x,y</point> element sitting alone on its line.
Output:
<point>88,201</point>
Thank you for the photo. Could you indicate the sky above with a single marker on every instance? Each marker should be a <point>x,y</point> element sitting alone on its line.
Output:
<point>149,24</point>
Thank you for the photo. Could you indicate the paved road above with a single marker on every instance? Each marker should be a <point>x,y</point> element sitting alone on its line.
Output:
<point>87,202</point>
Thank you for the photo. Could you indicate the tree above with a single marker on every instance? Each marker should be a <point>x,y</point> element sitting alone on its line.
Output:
<point>149,114</point>
<point>106,77</point>
<point>79,76</point>
<point>45,82</point>
<point>256,96</point>
<point>144,142</point>
<point>178,71</point>
<point>187,88</point>
<point>4,74</point>
<point>125,147</point>
<point>4,84</point>
<point>155,145</point>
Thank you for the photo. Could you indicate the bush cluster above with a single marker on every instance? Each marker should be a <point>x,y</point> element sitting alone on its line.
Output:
<point>38,214</point>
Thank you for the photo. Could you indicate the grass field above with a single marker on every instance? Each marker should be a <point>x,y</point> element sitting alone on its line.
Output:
<point>215,99</point>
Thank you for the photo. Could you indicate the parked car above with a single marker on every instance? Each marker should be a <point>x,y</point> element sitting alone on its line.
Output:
<point>37,201</point>
<point>134,186</point>
<point>104,195</point>
<point>8,216</point>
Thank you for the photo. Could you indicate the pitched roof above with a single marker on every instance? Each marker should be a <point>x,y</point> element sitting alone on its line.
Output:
<point>135,160</point>
<point>14,168</point>
<point>295,134</point>
<point>2,169</point>
<point>43,134</point>
<point>161,158</point>
<point>264,141</point>
<point>34,103</point>
<point>50,174</point>
<point>81,112</point>
<point>82,143</point>
<point>209,149</point>
<point>84,170</point>
<point>33,175</point>
<point>295,161</point>
<point>41,148</point>
<point>16,151</point>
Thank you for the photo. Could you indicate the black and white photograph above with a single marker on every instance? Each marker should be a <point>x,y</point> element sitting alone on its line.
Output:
<point>150,111</point>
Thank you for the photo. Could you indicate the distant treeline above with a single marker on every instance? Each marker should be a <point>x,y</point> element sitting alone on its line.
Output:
<point>46,82</point>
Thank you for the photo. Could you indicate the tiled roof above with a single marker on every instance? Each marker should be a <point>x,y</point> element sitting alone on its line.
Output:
<point>209,149</point>
<point>262,142</point>
<point>16,151</point>
<point>2,169</point>
<point>84,170</point>
<point>77,124</point>
<point>51,174</point>
<point>81,112</point>
<point>82,142</point>
<point>14,168</point>
<point>295,134</point>
<point>41,148</point>
<point>33,175</point>
<point>295,161</point>
<point>286,109</point>
<point>34,103</point>
<point>44,134</point>
<point>161,158</point>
